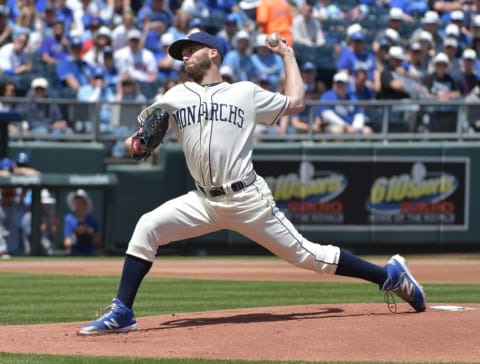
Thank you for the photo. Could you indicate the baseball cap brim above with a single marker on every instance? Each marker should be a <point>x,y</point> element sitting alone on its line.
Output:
<point>175,49</point>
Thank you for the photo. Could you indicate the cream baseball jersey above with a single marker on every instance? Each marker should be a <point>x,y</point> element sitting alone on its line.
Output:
<point>216,129</point>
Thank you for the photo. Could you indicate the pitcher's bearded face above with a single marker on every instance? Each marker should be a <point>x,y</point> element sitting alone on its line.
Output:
<point>197,62</point>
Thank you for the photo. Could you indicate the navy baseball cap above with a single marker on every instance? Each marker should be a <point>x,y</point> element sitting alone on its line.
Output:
<point>202,38</point>
<point>22,159</point>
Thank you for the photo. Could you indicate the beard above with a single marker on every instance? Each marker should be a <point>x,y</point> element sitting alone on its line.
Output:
<point>198,70</point>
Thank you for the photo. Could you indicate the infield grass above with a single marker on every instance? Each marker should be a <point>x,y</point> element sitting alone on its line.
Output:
<point>30,299</point>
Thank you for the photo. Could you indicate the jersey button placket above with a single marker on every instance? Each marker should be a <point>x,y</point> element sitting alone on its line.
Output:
<point>205,143</point>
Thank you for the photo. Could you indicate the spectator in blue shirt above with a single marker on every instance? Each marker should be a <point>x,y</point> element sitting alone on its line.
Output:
<point>240,59</point>
<point>342,118</point>
<point>356,53</point>
<point>266,62</point>
<point>156,9</point>
<point>81,228</point>
<point>55,48</point>
<point>73,72</point>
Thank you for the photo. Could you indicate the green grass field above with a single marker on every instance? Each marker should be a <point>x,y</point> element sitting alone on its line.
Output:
<point>30,299</point>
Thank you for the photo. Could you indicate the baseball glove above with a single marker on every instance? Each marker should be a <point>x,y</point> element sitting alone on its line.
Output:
<point>150,134</point>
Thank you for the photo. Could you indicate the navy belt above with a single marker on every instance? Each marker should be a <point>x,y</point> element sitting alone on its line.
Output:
<point>215,191</point>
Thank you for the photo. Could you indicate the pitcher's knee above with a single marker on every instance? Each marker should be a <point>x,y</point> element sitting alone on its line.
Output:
<point>317,257</point>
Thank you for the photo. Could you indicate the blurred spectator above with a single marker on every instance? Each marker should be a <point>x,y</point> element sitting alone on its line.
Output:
<point>393,84</point>
<point>22,165</point>
<point>44,117</point>
<point>124,115</point>
<point>92,24</point>
<point>473,109</point>
<point>114,11</point>
<point>267,63</point>
<point>73,72</point>
<point>120,32</point>
<point>430,24</point>
<point>313,87</point>
<point>55,47</point>
<point>229,31</point>
<point>441,87</point>
<point>440,84</point>
<point>155,9</point>
<point>466,75</point>
<point>11,209</point>
<point>474,25</point>
<point>97,93</point>
<point>64,12</point>
<point>393,31</point>
<point>49,224</point>
<point>381,55</point>
<point>110,70</point>
<point>136,61</point>
<point>196,8</point>
<point>5,28</point>
<point>153,30</point>
<point>6,167</point>
<point>452,31</point>
<point>168,67</point>
<point>413,8</point>
<point>81,228</point>
<point>227,74</point>
<point>450,48</point>
<point>339,119</point>
<point>196,25</point>
<point>222,7</point>
<point>360,88</point>
<point>48,20</point>
<point>417,62</point>
<point>94,56</point>
<point>15,58</point>
<point>180,28</point>
<point>396,84</point>
<point>7,89</point>
<point>248,14</point>
<point>446,6</point>
<point>275,16</point>
<point>306,29</point>
<point>28,22</point>
<point>326,9</point>
<point>128,90</point>
<point>356,53</point>
<point>240,59</point>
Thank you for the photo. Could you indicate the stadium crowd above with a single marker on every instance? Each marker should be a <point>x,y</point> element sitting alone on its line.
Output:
<point>98,51</point>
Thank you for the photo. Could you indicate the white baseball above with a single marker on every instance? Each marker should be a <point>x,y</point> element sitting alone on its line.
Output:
<point>273,39</point>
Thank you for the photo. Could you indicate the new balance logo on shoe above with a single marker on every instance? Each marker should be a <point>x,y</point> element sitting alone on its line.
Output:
<point>408,288</point>
<point>112,324</point>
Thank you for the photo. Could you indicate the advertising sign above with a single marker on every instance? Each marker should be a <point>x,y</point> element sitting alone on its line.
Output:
<point>358,193</point>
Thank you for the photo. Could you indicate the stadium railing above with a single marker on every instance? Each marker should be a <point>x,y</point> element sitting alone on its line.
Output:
<point>391,120</point>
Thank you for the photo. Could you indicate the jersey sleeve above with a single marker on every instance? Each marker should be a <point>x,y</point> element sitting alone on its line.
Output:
<point>269,106</point>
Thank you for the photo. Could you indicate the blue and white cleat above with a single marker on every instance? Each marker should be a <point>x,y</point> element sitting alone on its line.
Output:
<point>401,282</point>
<point>115,318</point>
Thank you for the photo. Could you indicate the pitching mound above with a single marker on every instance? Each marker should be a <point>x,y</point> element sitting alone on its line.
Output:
<point>313,332</point>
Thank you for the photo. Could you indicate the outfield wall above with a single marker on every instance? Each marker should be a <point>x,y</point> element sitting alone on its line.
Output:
<point>355,193</point>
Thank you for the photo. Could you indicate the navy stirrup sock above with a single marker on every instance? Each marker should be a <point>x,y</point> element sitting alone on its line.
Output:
<point>134,270</point>
<point>352,266</point>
